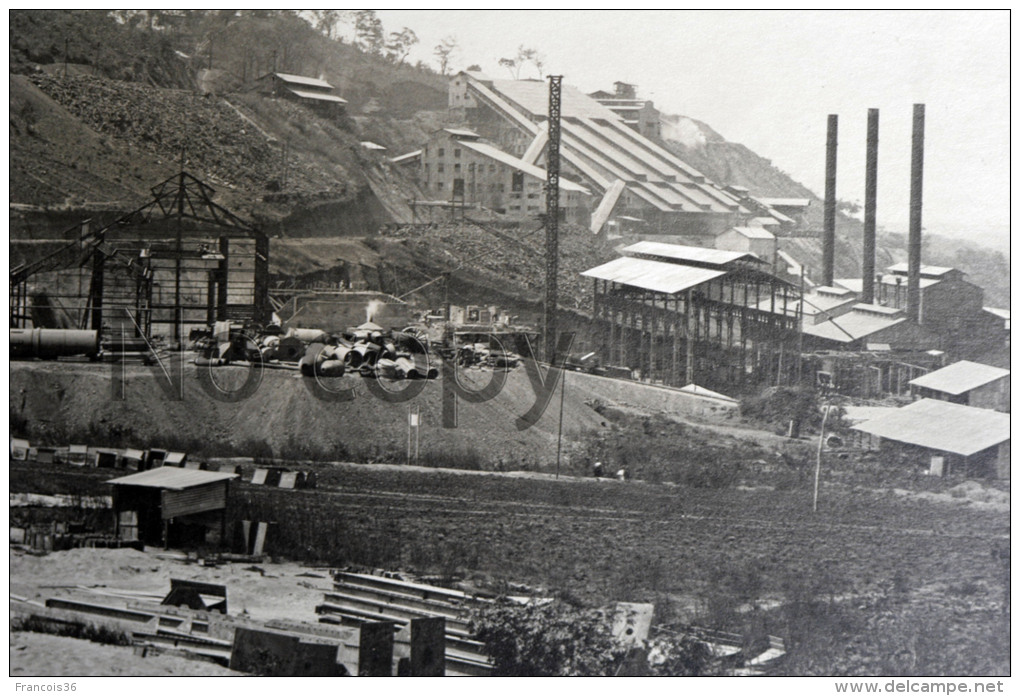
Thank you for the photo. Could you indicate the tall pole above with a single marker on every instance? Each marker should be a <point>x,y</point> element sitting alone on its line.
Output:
<point>178,313</point>
<point>870,197</point>
<point>559,432</point>
<point>818,459</point>
<point>914,237</point>
<point>552,217</point>
<point>829,231</point>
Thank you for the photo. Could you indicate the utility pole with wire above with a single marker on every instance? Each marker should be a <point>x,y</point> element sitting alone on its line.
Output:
<point>818,459</point>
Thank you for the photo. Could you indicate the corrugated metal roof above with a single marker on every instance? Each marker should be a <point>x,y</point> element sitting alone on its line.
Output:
<point>302,80</point>
<point>462,132</point>
<point>813,304</point>
<point>598,142</point>
<point>369,145</point>
<point>960,377</point>
<point>519,164</point>
<point>901,268</point>
<point>656,276</point>
<point>943,426</point>
<point>857,284</point>
<point>854,284</point>
<point>765,221</point>
<point>318,96</point>
<point>533,95</point>
<point>880,310</point>
<point>701,391</point>
<point>414,154</point>
<point>860,414</point>
<point>680,252</point>
<point>172,478</point>
<point>851,326</point>
<point>785,202</point>
<point>754,232</point>
<point>1001,313</point>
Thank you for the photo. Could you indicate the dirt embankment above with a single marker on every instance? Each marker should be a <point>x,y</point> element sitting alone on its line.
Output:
<point>284,413</point>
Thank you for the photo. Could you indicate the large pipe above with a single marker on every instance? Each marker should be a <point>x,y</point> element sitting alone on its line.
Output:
<point>53,343</point>
<point>829,231</point>
<point>870,197</point>
<point>914,236</point>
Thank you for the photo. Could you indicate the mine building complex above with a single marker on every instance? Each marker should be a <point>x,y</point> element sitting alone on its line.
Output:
<point>684,315</point>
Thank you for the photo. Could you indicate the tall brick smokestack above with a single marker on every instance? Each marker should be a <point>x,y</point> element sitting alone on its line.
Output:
<point>870,195</point>
<point>829,231</point>
<point>914,235</point>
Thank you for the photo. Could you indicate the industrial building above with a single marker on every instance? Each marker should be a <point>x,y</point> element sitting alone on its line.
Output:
<point>682,315</point>
<point>949,306</point>
<point>967,383</point>
<point>628,173</point>
<point>458,166</point>
<point>751,239</point>
<point>946,438</point>
<point>639,114</point>
<point>867,327</point>
<point>179,260</point>
<point>310,91</point>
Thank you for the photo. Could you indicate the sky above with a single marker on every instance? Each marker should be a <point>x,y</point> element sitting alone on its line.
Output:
<point>769,79</point>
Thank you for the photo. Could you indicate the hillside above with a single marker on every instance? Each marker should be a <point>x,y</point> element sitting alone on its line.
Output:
<point>93,142</point>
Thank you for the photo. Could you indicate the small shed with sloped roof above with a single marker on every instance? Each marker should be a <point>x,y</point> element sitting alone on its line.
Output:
<point>170,506</point>
<point>968,383</point>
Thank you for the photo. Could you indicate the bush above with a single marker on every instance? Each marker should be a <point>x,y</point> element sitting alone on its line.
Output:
<point>559,640</point>
<point>780,405</point>
<point>547,640</point>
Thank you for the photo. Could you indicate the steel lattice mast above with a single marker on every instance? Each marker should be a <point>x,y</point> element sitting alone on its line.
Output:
<point>552,217</point>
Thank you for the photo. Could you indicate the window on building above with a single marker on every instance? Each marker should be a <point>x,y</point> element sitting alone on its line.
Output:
<point>456,152</point>
<point>502,187</point>
<point>517,182</point>
<point>458,187</point>
<point>440,168</point>
<point>492,169</point>
<point>442,152</point>
<point>456,167</point>
<point>439,186</point>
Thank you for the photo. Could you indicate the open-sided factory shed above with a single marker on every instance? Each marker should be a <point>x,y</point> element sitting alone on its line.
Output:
<point>975,438</point>
<point>682,314</point>
<point>172,506</point>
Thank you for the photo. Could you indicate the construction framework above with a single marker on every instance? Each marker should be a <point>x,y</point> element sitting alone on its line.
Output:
<point>181,259</point>
<point>722,325</point>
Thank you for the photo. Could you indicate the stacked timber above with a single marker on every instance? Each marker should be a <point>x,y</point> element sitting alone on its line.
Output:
<point>359,598</point>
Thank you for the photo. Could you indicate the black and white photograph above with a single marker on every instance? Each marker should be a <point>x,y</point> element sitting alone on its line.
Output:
<point>509,343</point>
